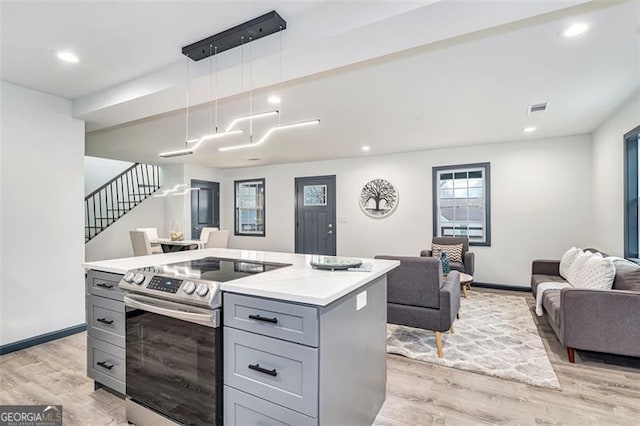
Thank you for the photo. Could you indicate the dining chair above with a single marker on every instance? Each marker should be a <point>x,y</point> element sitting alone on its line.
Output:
<point>140,243</point>
<point>152,234</point>
<point>217,239</point>
<point>204,234</point>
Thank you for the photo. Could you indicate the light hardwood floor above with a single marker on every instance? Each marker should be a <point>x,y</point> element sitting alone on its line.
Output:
<point>597,390</point>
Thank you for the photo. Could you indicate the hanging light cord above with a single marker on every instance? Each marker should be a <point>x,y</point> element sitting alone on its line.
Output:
<point>186,124</point>
<point>280,76</point>
<point>250,89</point>
<point>215,52</point>
<point>210,89</point>
<point>213,116</point>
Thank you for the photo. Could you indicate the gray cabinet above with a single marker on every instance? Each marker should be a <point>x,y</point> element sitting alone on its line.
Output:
<point>294,364</point>
<point>105,315</point>
<point>282,372</point>
<point>106,364</point>
<point>287,321</point>
<point>240,408</point>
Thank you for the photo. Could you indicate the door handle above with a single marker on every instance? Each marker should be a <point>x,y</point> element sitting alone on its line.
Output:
<point>261,318</point>
<point>259,369</point>
<point>103,285</point>
<point>330,232</point>
<point>105,365</point>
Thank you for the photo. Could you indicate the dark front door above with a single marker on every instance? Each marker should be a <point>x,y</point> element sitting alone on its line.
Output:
<point>316,215</point>
<point>205,206</point>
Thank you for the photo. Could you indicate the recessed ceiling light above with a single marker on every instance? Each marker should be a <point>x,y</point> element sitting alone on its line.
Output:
<point>366,148</point>
<point>529,129</point>
<point>274,99</point>
<point>67,57</point>
<point>574,30</point>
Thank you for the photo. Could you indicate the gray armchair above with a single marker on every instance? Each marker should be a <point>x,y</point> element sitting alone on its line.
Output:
<point>468,258</point>
<point>418,296</point>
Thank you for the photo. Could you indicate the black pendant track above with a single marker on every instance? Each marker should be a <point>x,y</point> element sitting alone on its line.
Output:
<point>254,29</point>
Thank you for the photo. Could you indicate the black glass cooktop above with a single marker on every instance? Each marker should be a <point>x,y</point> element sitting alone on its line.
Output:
<point>214,269</point>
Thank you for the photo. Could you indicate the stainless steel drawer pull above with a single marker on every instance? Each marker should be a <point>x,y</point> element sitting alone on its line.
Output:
<point>105,365</point>
<point>259,318</point>
<point>103,285</point>
<point>259,369</point>
<point>105,321</point>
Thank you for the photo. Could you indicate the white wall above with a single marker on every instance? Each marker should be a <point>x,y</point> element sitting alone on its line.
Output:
<point>98,171</point>
<point>42,279</point>
<point>608,177</point>
<point>540,203</point>
<point>115,243</point>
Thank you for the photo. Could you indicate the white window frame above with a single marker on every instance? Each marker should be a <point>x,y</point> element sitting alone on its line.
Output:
<point>463,227</point>
<point>260,207</point>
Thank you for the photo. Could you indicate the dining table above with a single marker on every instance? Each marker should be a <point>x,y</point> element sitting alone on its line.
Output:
<point>169,246</point>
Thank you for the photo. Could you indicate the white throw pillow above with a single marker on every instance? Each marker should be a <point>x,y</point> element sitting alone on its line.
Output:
<point>576,266</point>
<point>596,273</point>
<point>567,260</point>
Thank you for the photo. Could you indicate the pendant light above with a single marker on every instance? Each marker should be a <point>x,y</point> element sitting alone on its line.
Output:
<point>188,150</point>
<point>175,189</point>
<point>272,130</point>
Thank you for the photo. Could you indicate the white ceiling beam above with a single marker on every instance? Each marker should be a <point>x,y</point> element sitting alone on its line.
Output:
<point>309,47</point>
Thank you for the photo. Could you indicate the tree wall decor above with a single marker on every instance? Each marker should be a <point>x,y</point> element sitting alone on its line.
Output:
<point>378,198</point>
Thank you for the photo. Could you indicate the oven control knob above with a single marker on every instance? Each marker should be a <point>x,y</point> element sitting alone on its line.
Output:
<point>202,289</point>
<point>129,277</point>
<point>189,287</point>
<point>138,279</point>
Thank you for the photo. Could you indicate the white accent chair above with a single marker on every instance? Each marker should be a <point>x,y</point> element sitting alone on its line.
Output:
<point>152,234</point>
<point>140,243</point>
<point>204,233</point>
<point>217,239</point>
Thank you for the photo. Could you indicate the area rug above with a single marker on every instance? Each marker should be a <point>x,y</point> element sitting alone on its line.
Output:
<point>495,336</point>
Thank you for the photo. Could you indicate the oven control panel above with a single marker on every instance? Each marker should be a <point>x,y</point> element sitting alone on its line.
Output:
<point>168,285</point>
<point>192,291</point>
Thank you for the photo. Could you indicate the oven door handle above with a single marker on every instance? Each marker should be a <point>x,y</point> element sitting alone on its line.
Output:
<point>208,320</point>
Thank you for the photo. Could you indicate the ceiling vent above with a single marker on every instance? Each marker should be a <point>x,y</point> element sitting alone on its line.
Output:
<point>538,107</point>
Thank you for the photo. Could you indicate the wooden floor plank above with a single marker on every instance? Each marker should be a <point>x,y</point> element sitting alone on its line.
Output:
<point>597,390</point>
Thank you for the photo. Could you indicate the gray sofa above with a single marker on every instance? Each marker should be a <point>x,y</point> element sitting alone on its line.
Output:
<point>468,258</point>
<point>593,320</point>
<point>418,296</point>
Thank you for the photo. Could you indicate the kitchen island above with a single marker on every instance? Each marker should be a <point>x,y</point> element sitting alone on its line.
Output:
<point>301,345</point>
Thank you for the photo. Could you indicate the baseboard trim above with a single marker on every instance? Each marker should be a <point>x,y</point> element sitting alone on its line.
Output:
<point>502,287</point>
<point>43,338</point>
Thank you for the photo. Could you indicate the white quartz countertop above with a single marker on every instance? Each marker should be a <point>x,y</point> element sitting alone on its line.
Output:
<point>299,282</point>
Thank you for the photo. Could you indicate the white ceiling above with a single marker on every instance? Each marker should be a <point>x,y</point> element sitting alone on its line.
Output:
<point>469,90</point>
<point>115,40</point>
<point>395,75</point>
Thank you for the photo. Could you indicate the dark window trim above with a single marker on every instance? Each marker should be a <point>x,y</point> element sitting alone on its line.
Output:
<point>487,198</point>
<point>631,243</point>
<point>235,208</point>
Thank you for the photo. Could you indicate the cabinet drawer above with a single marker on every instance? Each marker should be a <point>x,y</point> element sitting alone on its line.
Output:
<point>106,364</point>
<point>278,371</point>
<point>241,409</point>
<point>106,319</point>
<point>104,284</point>
<point>288,321</point>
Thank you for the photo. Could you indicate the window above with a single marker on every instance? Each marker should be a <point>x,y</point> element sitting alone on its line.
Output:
<point>461,202</point>
<point>315,195</point>
<point>249,207</point>
<point>631,160</point>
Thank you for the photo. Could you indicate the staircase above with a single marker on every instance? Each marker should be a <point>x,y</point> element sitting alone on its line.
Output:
<point>120,195</point>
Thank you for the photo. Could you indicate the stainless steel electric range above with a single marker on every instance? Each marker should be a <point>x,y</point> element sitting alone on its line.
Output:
<point>174,339</point>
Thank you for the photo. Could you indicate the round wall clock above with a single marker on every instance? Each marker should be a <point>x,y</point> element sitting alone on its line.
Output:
<point>378,198</point>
